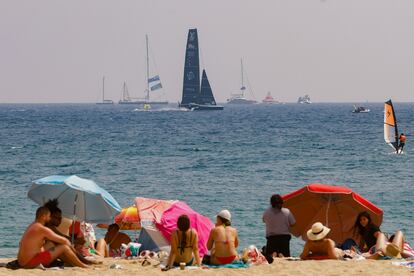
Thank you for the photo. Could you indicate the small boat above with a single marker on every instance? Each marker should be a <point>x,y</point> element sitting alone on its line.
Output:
<point>360,109</point>
<point>269,99</point>
<point>239,98</point>
<point>147,106</point>
<point>196,96</point>
<point>153,83</point>
<point>390,126</point>
<point>104,101</point>
<point>304,100</point>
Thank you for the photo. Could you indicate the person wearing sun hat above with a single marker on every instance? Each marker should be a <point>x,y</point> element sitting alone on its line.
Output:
<point>223,240</point>
<point>318,246</point>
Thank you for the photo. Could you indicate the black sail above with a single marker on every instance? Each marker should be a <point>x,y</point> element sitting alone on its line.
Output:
<point>206,96</point>
<point>191,81</point>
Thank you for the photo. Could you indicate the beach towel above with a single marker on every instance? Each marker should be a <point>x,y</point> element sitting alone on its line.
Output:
<point>235,264</point>
<point>406,264</point>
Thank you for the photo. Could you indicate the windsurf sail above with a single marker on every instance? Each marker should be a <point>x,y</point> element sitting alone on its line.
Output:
<point>191,82</point>
<point>390,126</point>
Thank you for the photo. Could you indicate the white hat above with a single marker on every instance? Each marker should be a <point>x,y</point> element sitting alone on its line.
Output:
<point>224,214</point>
<point>317,232</point>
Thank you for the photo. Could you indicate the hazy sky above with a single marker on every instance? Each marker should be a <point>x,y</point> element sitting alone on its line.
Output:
<point>333,50</point>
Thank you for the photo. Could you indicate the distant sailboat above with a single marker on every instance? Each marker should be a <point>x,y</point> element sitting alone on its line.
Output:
<point>239,98</point>
<point>390,126</point>
<point>152,84</point>
<point>104,101</point>
<point>196,97</point>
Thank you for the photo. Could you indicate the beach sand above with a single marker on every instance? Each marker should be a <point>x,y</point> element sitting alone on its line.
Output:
<point>279,267</point>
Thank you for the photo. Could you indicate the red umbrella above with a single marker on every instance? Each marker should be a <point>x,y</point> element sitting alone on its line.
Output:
<point>336,207</point>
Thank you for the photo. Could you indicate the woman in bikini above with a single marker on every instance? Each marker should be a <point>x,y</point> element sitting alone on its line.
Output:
<point>223,240</point>
<point>184,245</point>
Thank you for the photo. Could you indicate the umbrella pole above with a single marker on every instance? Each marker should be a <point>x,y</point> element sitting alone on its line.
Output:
<point>74,217</point>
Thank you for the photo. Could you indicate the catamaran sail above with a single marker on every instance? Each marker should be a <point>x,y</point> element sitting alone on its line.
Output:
<point>206,96</point>
<point>191,79</point>
<point>390,126</point>
<point>196,97</point>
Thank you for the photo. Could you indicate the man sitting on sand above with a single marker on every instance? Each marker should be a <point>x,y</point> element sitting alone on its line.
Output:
<point>223,240</point>
<point>31,252</point>
<point>318,246</point>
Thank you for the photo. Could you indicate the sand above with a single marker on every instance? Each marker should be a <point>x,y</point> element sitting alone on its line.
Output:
<point>279,267</point>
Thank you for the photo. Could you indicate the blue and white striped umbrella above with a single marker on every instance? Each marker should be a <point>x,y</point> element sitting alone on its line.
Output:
<point>78,198</point>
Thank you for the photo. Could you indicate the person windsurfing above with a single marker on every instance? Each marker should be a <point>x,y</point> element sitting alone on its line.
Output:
<point>401,143</point>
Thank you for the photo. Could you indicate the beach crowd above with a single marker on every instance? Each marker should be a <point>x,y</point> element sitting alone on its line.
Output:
<point>48,242</point>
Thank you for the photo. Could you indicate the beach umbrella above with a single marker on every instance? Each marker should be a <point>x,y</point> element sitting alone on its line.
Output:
<point>79,198</point>
<point>335,206</point>
<point>128,219</point>
<point>200,223</point>
<point>150,210</point>
<point>145,212</point>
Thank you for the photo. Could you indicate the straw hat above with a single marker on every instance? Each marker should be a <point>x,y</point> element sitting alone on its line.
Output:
<point>224,214</point>
<point>391,250</point>
<point>318,232</point>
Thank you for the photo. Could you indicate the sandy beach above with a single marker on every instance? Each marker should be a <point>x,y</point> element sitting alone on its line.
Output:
<point>279,267</point>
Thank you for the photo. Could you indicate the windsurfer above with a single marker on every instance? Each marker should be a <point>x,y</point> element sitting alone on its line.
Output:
<point>401,143</point>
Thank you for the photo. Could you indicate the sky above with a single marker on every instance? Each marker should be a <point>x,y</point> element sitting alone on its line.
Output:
<point>54,51</point>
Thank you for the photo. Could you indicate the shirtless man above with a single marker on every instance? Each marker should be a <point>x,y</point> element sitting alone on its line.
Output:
<point>31,251</point>
<point>318,246</point>
<point>223,240</point>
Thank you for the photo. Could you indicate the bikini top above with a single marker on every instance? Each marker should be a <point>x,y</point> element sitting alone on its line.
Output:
<point>187,246</point>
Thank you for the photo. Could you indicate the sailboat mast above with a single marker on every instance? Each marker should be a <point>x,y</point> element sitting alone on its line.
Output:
<point>146,40</point>
<point>103,89</point>
<point>242,79</point>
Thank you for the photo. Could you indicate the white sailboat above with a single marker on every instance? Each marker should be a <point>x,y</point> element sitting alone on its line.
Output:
<point>152,84</point>
<point>104,101</point>
<point>239,98</point>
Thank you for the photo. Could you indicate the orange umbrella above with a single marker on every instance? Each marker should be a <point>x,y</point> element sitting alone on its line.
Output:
<point>128,219</point>
<point>335,206</point>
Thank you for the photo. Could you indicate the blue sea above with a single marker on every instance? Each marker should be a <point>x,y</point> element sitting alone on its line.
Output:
<point>233,159</point>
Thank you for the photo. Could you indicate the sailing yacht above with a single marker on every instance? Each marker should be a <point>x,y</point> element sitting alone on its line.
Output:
<point>104,101</point>
<point>152,84</point>
<point>196,96</point>
<point>239,98</point>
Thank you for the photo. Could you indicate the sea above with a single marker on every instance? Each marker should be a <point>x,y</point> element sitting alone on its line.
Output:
<point>233,159</point>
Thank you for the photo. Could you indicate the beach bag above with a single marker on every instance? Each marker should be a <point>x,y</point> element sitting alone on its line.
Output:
<point>130,250</point>
<point>253,256</point>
